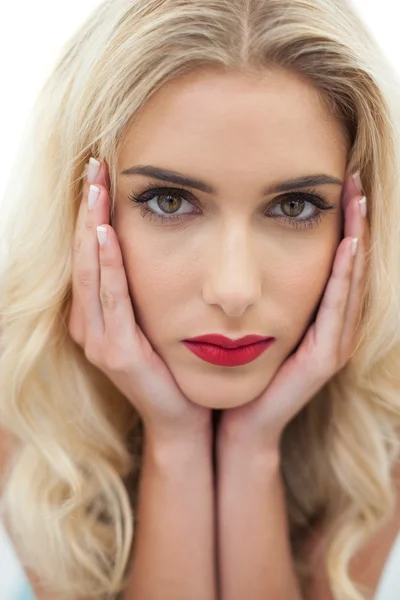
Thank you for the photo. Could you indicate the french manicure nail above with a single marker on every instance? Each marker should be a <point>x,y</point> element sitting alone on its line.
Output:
<point>357,181</point>
<point>93,169</point>
<point>363,206</point>
<point>101,234</point>
<point>93,195</point>
<point>354,246</point>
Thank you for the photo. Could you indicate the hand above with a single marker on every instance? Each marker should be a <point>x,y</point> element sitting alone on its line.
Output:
<point>325,349</point>
<point>103,323</point>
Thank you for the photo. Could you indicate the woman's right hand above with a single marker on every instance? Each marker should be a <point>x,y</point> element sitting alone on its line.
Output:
<point>102,322</point>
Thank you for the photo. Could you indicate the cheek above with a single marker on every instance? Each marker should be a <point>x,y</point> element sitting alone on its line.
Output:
<point>156,283</point>
<point>299,288</point>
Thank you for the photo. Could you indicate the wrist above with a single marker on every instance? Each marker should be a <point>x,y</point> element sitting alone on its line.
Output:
<point>247,450</point>
<point>181,448</point>
<point>177,432</point>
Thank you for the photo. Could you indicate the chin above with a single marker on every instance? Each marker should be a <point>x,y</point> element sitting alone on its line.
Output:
<point>222,403</point>
<point>222,391</point>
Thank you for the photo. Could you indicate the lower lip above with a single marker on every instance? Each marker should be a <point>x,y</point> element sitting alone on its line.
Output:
<point>228,357</point>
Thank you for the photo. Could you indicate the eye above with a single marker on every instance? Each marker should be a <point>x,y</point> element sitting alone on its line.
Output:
<point>169,203</point>
<point>301,209</point>
<point>165,204</point>
<point>293,207</point>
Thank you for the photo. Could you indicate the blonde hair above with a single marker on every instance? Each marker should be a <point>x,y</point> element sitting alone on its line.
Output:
<point>71,489</point>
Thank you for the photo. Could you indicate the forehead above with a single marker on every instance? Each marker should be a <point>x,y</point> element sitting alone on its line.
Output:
<point>229,121</point>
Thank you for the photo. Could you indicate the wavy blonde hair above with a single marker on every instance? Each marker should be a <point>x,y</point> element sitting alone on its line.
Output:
<point>71,488</point>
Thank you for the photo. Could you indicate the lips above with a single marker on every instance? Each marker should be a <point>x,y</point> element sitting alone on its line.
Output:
<point>228,357</point>
<point>224,342</point>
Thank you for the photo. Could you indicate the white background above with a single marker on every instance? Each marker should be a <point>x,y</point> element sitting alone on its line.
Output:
<point>31,32</point>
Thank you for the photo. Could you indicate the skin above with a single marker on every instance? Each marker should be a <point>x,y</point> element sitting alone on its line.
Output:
<point>229,268</point>
<point>124,346</point>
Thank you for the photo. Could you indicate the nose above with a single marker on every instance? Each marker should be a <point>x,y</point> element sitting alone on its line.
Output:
<point>232,280</point>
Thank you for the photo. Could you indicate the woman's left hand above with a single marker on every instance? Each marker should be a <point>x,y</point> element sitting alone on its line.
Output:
<point>325,349</point>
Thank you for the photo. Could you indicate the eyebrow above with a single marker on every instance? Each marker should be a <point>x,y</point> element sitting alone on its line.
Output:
<point>174,177</point>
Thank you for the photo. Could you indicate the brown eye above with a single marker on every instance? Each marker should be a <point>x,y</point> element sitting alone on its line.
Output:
<point>294,207</point>
<point>168,203</point>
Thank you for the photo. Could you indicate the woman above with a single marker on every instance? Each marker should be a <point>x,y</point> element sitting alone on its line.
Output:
<point>244,161</point>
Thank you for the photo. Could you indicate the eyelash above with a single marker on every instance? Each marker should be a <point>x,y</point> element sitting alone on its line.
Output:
<point>311,196</point>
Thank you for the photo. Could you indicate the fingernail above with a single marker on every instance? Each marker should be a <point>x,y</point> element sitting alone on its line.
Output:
<point>354,246</point>
<point>93,195</point>
<point>101,234</point>
<point>357,181</point>
<point>93,169</point>
<point>363,206</point>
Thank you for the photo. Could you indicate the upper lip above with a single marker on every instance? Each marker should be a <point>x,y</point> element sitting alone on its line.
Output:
<point>220,340</point>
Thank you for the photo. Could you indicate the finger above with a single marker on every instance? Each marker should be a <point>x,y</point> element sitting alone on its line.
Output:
<point>331,314</point>
<point>352,187</point>
<point>88,268</point>
<point>119,319</point>
<point>102,179</point>
<point>76,326</point>
<point>354,306</point>
<point>76,317</point>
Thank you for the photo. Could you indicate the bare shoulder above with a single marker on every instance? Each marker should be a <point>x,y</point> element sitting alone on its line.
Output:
<point>367,566</point>
<point>8,445</point>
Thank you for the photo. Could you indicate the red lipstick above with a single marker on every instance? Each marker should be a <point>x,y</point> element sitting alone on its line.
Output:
<point>222,351</point>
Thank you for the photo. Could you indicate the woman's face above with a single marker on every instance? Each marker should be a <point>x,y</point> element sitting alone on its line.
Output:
<point>239,259</point>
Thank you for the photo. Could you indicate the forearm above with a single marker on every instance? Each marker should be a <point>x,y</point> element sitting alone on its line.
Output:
<point>253,536</point>
<point>173,556</point>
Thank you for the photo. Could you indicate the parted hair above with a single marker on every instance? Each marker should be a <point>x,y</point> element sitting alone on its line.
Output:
<point>70,492</point>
